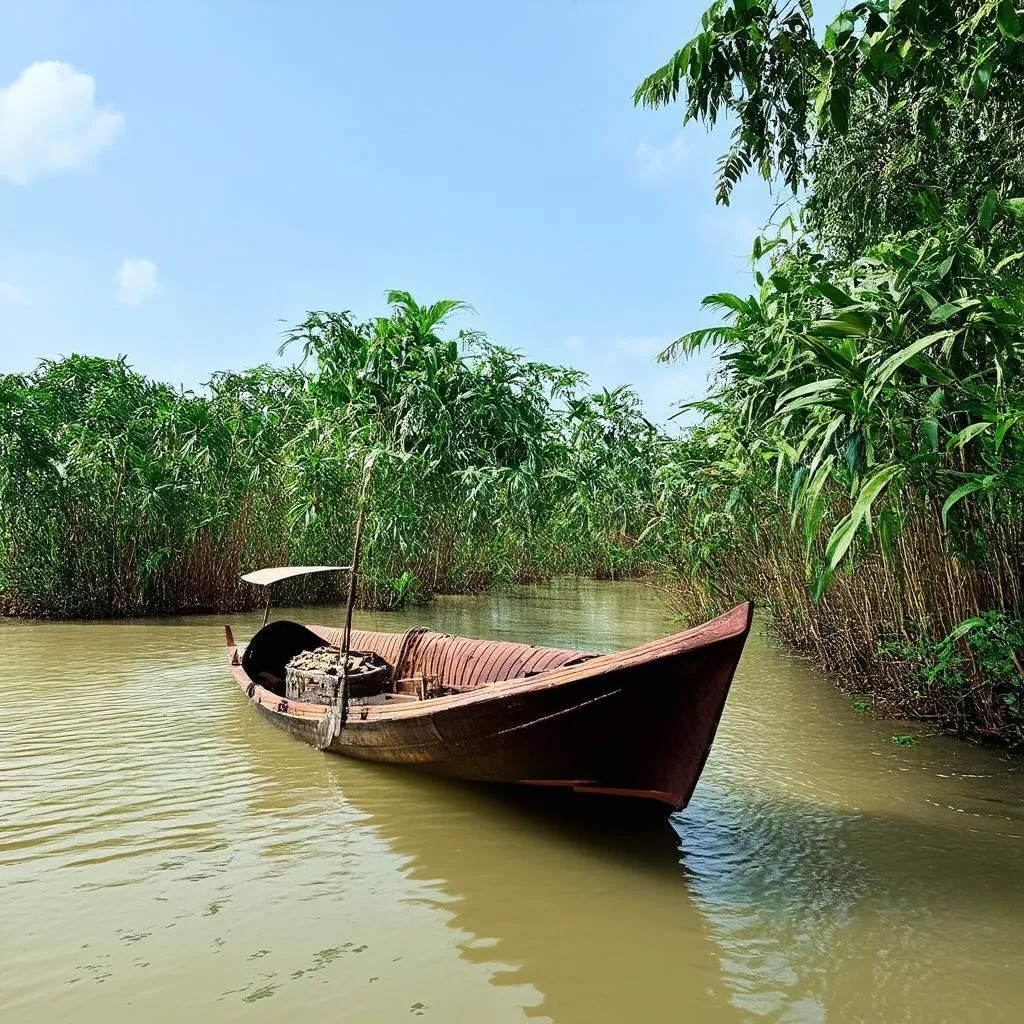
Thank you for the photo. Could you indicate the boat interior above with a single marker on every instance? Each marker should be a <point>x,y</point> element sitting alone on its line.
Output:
<point>421,664</point>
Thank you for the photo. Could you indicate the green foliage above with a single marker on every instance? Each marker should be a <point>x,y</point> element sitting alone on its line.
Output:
<point>904,739</point>
<point>404,587</point>
<point>791,92</point>
<point>860,464</point>
<point>895,111</point>
<point>119,495</point>
<point>987,648</point>
<point>864,392</point>
<point>983,653</point>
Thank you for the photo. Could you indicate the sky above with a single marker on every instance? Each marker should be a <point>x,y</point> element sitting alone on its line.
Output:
<point>179,182</point>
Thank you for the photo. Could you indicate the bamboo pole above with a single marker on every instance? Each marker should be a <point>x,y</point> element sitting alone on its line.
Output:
<point>353,580</point>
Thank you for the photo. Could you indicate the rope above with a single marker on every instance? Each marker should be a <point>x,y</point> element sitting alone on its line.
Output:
<point>410,638</point>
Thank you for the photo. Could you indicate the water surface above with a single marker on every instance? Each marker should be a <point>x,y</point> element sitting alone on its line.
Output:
<point>163,852</point>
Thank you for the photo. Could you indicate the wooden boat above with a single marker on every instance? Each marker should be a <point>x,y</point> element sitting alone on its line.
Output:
<point>636,723</point>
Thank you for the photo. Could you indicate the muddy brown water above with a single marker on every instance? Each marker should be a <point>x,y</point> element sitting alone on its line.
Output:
<point>163,853</point>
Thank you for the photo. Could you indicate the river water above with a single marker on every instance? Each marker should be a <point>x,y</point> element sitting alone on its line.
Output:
<point>164,853</point>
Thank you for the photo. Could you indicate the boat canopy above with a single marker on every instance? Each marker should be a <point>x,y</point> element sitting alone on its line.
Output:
<point>264,577</point>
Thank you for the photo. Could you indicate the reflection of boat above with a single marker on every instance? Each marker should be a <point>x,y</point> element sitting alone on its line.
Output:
<point>636,723</point>
<point>575,911</point>
<point>588,910</point>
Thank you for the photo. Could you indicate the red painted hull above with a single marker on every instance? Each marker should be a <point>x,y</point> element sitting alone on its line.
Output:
<point>636,723</point>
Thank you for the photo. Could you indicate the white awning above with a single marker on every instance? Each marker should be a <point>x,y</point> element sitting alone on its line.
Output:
<point>264,577</point>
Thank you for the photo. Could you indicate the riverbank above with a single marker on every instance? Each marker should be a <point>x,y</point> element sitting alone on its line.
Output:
<point>903,638</point>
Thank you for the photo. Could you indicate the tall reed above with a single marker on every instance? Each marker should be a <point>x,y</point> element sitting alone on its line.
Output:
<point>122,496</point>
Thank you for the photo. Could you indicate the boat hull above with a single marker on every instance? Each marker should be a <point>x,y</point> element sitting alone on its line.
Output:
<point>638,723</point>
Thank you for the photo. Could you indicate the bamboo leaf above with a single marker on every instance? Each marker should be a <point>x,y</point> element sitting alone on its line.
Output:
<point>967,434</point>
<point>845,532</point>
<point>836,296</point>
<point>894,362</point>
<point>988,209</point>
<point>981,81</point>
<point>1007,424</point>
<point>1007,260</point>
<point>838,329</point>
<point>949,309</point>
<point>808,389</point>
<point>930,430</point>
<point>971,487</point>
<point>855,318</point>
<point>726,300</point>
<point>840,540</point>
<point>839,107</point>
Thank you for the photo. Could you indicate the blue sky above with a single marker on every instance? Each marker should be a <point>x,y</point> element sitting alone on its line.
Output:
<point>237,164</point>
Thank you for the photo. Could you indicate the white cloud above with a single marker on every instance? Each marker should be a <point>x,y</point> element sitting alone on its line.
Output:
<point>11,295</point>
<point>49,122</point>
<point>574,341</point>
<point>136,282</point>
<point>656,162</point>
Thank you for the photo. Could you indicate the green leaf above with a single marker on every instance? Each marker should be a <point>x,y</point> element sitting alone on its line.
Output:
<point>846,530</point>
<point>877,52</point>
<point>965,435</point>
<point>843,25</point>
<point>1014,206</point>
<point>1008,21</point>
<point>841,539</point>
<point>821,582</point>
<point>837,329</point>
<point>1006,261</point>
<point>835,358</point>
<point>726,300</point>
<point>821,95</point>
<point>894,362</point>
<point>888,528</point>
<point>838,298</point>
<point>960,493</point>
<point>930,430</point>
<point>930,369</point>
<point>854,454</point>
<point>839,107</point>
<point>855,318</point>
<point>988,210</point>
<point>807,389</point>
<point>981,81</point>
<point>1004,427</point>
<point>967,626</point>
<point>944,312</point>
